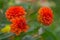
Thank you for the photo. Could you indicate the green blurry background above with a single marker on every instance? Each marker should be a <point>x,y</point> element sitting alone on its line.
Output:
<point>37,31</point>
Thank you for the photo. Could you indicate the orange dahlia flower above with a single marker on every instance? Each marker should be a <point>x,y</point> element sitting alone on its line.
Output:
<point>15,11</point>
<point>19,25</point>
<point>45,15</point>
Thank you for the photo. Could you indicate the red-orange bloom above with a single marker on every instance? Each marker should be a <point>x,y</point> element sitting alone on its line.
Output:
<point>15,11</point>
<point>45,15</point>
<point>19,25</point>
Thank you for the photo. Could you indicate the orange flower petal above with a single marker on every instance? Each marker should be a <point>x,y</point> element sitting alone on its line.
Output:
<point>45,15</point>
<point>14,11</point>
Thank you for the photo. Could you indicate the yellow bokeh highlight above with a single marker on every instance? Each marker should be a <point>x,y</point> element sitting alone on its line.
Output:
<point>6,29</point>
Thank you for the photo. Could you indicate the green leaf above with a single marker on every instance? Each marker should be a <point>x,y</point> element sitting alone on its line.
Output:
<point>48,35</point>
<point>5,36</point>
<point>28,37</point>
<point>1,5</point>
<point>20,36</point>
<point>34,26</point>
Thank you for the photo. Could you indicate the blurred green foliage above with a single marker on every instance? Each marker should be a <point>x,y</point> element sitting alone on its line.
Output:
<point>51,33</point>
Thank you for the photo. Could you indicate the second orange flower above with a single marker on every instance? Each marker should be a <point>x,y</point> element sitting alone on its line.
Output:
<point>45,16</point>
